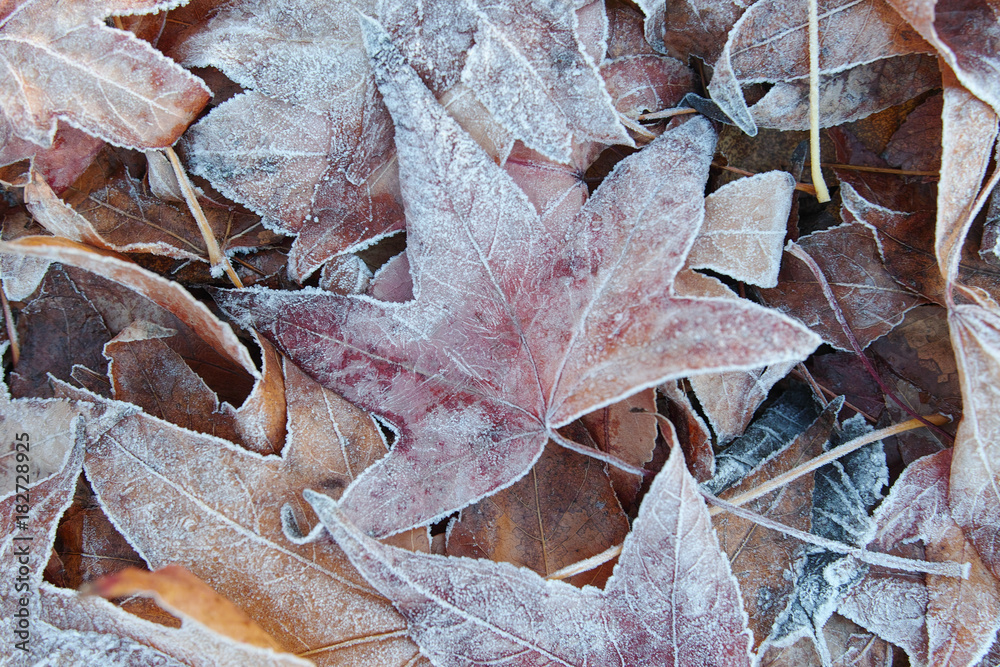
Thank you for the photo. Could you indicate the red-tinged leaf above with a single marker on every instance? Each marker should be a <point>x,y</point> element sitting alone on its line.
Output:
<point>965,34</point>
<point>769,44</point>
<point>973,492</point>
<point>568,314</point>
<point>872,302</point>
<point>938,620</point>
<point>63,63</point>
<point>970,128</point>
<point>70,154</point>
<point>671,600</point>
<point>729,399</point>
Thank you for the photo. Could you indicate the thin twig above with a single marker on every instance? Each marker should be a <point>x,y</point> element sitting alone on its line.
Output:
<point>827,457</point>
<point>822,194</point>
<point>804,373</point>
<point>8,318</point>
<point>944,568</point>
<point>798,251</point>
<point>877,170</point>
<point>215,254</point>
<point>598,454</point>
<point>801,187</point>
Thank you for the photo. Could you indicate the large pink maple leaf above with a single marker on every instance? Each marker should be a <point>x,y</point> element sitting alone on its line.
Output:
<point>519,324</point>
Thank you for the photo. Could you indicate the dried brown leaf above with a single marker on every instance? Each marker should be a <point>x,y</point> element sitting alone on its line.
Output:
<point>872,302</point>
<point>627,430</point>
<point>63,63</point>
<point>170,510</point>
<point>563,511</point>
<point>682,28</point>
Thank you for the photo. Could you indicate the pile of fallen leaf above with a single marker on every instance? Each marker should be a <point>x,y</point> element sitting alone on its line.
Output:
<point>503,333</point>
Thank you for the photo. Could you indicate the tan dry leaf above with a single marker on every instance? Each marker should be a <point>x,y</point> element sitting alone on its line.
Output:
<point>207,345</point>
<point>975,469</point>
<point>563,511</point>
<point>75,629</point>
<point>221,520</point>
<point>166,294</point>
<point>146,372</point>
<point>64,63</point>
<point>115,210</point>
<point>21,275</point>
<point>744,229</point>
<point>970,128</point>
<point>184,594</point>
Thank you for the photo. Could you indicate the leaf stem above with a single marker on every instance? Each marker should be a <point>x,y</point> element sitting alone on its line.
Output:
<point>944,568</point>
<point>588,563</point>
<point>799,252</point>
<point>827,457</point>
<point>822,194</point>
<point>215,255</point>
<point>598,454</point>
